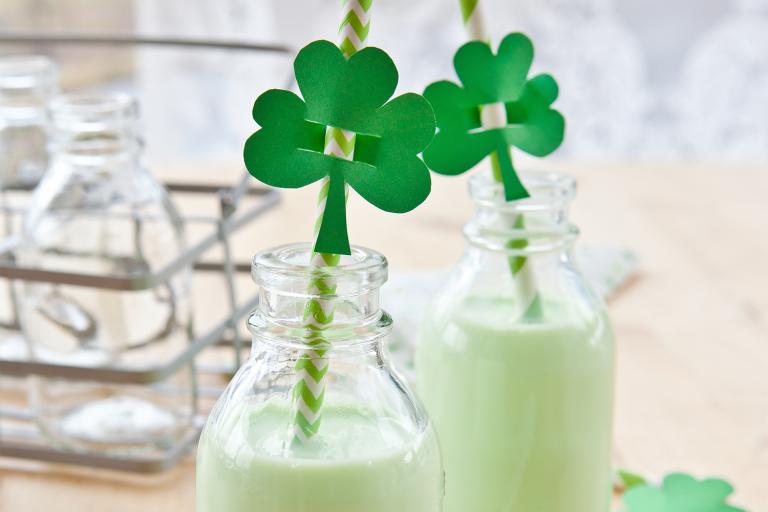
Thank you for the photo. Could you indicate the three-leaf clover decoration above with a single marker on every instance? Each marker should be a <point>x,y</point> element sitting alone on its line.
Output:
<point>681,493</point>
<point>345,94</point>
<point>488,81</point>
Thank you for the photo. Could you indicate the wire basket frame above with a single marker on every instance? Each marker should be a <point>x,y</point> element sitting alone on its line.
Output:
<point>23,439</point>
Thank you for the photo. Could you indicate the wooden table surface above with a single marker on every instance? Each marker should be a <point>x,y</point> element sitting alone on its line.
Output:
<point>692,329</point>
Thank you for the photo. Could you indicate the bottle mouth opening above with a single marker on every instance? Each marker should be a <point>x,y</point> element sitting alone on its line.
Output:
<point>94,105</point>
<point>289,268</point>
<point>548,191</point>
<point>86,113</point>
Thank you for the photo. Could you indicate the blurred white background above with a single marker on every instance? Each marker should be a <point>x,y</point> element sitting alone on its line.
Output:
<point>651,80</point>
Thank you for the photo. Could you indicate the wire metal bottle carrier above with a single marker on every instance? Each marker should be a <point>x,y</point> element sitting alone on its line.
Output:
<point>237,206</point>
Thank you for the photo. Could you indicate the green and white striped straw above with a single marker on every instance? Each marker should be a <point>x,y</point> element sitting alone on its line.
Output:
<point>312,366</point>
<point>493,116</point>
<point>474,23</point>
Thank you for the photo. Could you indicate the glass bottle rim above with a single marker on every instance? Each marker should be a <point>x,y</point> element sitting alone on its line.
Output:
<point>548,190</point>
<point>292,262</point>
<point>94,106</point>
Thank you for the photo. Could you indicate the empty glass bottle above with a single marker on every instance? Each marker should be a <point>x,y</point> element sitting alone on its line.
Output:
<point>515,361</point>
<point>370,446</point>
<point>27,83</point>
<point>99,211</point>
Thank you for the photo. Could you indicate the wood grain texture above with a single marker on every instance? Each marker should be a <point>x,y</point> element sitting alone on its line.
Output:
<point>692,330</point>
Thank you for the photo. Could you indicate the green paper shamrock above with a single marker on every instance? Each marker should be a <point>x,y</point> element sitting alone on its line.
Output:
<point>681,493</point>
<point>348,94</point>
<point>531,124</point>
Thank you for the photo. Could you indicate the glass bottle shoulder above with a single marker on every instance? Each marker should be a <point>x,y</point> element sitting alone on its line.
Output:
<point>367,410</point>
<point>480,306</point>
<point>118,213</point>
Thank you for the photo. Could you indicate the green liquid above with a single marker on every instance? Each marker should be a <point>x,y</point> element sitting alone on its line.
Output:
<point>523,411</point>
<point>360,463</point>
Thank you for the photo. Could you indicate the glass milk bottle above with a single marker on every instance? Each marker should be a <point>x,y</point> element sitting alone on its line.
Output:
<point>26,85</point>
<point>99,211</point>
<point>515,361</point>
<point>359,442</point>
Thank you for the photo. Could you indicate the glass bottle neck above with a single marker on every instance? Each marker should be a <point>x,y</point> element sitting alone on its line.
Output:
<point>94,129</point>
<point>513,270</point>
<point>519,253</point>
<point>526,228</point>
<point>335,308</point>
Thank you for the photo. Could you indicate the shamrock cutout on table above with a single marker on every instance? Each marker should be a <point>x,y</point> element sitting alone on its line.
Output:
<point>681,493</point>
<point>489,81</point>
<point>346,94</point>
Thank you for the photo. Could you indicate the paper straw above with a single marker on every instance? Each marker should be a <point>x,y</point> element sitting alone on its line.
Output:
<point>355,25</point>
<point>492,115</point>
<point>473,20</point>
<point>312,366</point>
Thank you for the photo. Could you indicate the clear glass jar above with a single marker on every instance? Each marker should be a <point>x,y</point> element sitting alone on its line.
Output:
<point>517,372</point>
<point>374,449</point>
<point>27,83</point>
<point>99,211</point>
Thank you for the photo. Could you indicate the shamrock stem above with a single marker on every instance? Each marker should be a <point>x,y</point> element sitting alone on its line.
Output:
<point>495,167</point>
<point>332,238</point>
<point>513,187</point>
